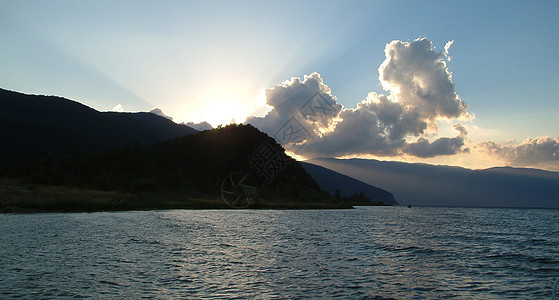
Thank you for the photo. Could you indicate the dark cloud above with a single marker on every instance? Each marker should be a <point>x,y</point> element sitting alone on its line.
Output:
<point>532,151</point>
<point>360,132</point>
<point>442,146</point>
<point>396,121</point>
<point>463,131</point>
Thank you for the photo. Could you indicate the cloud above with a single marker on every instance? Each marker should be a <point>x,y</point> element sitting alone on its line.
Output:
<point>302,107</point>
<point>360,131</point>
<point>159,112</point>
<point>306,117</point>
<point>447,48</point>
<point>117,108</point>
<point>532,151</point>
<point>418,77</point>
<point>380,127</point>
<point>442,146</point>
<point>376,126</point>
<point>461,129</point>
<point>199,126</point>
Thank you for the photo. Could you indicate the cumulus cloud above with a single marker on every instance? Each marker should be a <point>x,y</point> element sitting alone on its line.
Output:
<point>306,115</point>
<point>532,151</point>
<point>417,76</point>
<point>309,100</point>
<point>360,131</point>
<point>301,110</point>
<point>159,112</point>
<point>306,118</point>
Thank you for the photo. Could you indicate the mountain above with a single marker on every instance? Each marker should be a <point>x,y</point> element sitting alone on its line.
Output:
<point>332,181</point>
<point>34,126</point>
<point>197,165</point>
<point>423,184</point>
<point>199,162</point>
<point>61,152</point>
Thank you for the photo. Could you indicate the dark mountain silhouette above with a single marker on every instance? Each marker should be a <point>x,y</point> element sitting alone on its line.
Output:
<point>423,184</point>
<point>334,182</point>
<point>55,142</point>
<point>194,165</point>
<point>34,126</point>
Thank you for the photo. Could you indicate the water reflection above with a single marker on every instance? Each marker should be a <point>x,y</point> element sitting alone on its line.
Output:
<point>366,252</point>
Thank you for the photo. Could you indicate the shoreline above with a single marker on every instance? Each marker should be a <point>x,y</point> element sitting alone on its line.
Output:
<point>17,197</point>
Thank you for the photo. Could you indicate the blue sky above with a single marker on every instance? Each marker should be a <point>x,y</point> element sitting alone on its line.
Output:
<point>210,60</point>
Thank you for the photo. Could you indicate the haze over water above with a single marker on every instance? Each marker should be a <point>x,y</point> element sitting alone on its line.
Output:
<point>368,252</point>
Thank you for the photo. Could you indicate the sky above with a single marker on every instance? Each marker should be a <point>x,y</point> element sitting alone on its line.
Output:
<point>465,83</point>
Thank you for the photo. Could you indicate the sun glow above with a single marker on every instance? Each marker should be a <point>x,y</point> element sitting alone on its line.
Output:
<point>225,106</point>
<point>224,111</point>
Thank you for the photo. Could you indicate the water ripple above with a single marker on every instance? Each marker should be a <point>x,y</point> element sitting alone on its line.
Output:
<point>365,253</point>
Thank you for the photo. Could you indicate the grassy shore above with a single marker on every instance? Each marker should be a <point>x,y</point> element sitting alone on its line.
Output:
<point>18,197</point>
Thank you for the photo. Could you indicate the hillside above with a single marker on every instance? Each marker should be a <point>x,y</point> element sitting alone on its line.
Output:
<point>422,184</point>
<point>56,153</point>
<point>185,172</point>
<point>197,162</point>
<point>332,181</point>
<point>34,127</point>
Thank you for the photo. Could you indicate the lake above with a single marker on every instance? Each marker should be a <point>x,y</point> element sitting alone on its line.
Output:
<point>362,253</point>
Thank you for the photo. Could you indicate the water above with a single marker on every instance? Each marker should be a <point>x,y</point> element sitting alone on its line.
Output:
<point>365,253</point>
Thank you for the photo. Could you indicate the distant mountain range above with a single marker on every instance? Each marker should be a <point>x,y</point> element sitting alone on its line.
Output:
<point>332,181</point>
<point>422,184</point>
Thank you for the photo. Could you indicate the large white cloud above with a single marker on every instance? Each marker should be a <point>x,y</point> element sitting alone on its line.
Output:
<point>420,89</point>
<point>306,118</point>
<point>304,106</point>
<point>418,77</point>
